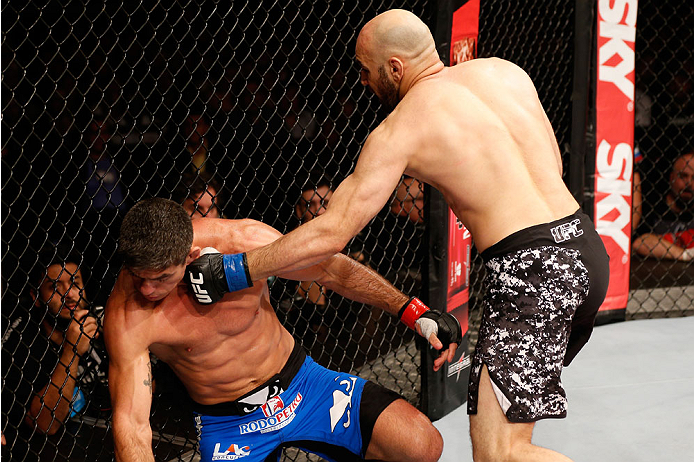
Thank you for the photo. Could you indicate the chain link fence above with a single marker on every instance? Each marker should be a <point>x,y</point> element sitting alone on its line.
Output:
<point>662,284</point>
<point>104,104</point>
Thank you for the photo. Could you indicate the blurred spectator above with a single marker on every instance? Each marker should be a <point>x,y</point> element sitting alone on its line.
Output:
<point>313,202</point>
<point>312,309</point>
<point>200,194</point>
<point>300,120</point>
<point>681,89</point>
<point>402,237</point>
<point>314,199</point>
<point>53,362</point>
<point>671,226</point>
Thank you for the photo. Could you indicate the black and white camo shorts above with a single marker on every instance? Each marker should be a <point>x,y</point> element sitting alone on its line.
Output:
<point>544,286</point>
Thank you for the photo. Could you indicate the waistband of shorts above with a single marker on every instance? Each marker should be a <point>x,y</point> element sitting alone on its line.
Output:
<point>284,378</point>
<point>538,235</point>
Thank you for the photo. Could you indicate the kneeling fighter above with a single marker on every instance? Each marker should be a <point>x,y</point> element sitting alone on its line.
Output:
<point>254,389</point>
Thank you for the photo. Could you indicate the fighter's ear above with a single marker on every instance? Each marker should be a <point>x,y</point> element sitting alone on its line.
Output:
<point>193,254</point>
<point>396,69</point>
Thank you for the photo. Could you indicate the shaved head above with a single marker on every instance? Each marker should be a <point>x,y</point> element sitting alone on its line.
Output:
<point>395,50</point>
<point>396,33</point>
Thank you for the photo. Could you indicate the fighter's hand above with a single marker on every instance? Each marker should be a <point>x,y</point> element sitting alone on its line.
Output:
<point>81,331</point>
<point>213,274</point>
<point>442,330</point>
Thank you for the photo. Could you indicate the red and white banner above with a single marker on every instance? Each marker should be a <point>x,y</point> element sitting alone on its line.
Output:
<point>459,244</point>
<point>614,156</point>
<point>464,32</point>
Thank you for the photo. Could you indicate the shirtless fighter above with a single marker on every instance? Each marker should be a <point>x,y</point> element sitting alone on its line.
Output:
<point>478,133</point>
<point>254,389</point>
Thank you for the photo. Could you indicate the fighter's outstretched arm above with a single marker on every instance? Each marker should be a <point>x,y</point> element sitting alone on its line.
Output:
<point>130,385</point>
<point>355,202</point>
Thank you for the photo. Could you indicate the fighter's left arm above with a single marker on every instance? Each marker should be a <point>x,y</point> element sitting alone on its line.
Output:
<point>358,282</point>
<point>353,280</point>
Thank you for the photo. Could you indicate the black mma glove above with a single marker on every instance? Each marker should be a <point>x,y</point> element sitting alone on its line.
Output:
<point>444,325</point>
<point>213,274</point>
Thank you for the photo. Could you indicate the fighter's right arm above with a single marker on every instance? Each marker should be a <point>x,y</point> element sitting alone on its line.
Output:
<point>354,203</point>
<point>130,385</point>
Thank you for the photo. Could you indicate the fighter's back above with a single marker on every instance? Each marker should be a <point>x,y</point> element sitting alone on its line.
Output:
<point>487,145</point>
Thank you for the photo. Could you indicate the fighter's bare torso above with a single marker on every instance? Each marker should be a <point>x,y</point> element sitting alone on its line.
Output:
<point>477,133</point>
<point>219,351</point>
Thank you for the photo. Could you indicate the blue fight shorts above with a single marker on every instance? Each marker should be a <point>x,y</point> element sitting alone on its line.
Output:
<point>331,414</point>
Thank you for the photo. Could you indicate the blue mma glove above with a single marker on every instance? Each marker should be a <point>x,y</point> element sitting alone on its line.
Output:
<point>213,275</point>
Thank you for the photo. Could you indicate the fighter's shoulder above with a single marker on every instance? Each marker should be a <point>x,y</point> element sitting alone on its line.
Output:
<point>128,325</point>
<point>487,64</point>
<point>123,302</point>
<point>498,75</point>
<point>486,74</point>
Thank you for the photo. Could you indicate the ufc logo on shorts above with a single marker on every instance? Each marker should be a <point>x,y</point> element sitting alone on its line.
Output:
<point>566,231</point>
<point>200,293</point>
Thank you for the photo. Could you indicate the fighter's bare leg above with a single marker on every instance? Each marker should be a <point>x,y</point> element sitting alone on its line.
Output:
<point>494,438</point>
<point>404,434</point>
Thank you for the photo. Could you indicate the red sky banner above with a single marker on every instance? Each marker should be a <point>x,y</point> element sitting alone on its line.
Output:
<point>614,157</point>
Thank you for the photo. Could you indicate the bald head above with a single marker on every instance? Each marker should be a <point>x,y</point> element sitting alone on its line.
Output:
<point>395,50</point>
<point>397,33</point>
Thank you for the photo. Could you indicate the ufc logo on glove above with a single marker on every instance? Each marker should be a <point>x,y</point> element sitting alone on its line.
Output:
<point>197,285</point>
<point>212,275</point>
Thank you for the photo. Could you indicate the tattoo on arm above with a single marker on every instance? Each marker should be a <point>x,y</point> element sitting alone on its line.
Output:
<point>148,382</point>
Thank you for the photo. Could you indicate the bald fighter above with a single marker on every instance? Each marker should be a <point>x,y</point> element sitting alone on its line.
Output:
<point>477,132</point>
<point>254,389</point>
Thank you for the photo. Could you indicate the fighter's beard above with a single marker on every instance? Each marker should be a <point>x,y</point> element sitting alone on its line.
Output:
<point>389,92</point>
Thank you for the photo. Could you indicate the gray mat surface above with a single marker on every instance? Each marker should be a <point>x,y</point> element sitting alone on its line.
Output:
<point>631,398</point>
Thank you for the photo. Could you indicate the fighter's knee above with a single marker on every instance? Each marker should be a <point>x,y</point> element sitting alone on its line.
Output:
<point>403,434</point>
<point>427,442</point>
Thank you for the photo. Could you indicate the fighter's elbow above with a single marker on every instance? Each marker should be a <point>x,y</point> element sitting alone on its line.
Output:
<point>337,235</point>
<point>338,243</point>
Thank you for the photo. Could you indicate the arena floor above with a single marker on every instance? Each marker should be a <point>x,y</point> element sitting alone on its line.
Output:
<point>631,398</point>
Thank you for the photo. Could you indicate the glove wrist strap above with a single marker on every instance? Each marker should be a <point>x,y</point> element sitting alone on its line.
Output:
<point>411,311</point>
<point>236,271</point>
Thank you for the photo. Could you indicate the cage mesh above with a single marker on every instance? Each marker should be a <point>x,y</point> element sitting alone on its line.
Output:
<point>106,103</point>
